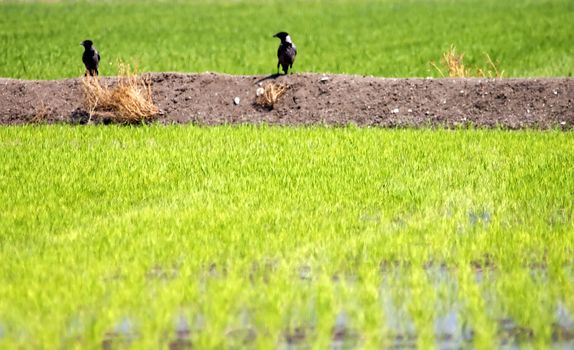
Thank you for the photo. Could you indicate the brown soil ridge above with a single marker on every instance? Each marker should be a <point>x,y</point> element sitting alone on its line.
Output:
<point>326,99</point>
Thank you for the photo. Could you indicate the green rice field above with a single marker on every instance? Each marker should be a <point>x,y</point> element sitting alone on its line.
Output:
<point>259,237</point>
<point>266,237</point>
<point>397,38</point>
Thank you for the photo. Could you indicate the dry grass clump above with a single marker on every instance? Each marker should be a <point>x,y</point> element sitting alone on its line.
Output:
<point>130,101</point>
<point>42,113</point>
<point>493,72</point>
<point>454,64</point>
<point>270,94</point>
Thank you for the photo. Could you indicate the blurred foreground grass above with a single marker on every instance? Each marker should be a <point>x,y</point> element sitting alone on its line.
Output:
<point>252,236</point>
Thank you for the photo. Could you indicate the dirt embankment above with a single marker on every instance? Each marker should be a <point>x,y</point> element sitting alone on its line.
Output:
<point>210,99</point>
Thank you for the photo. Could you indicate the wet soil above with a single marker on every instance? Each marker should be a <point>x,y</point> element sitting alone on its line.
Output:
<point>214,99</point>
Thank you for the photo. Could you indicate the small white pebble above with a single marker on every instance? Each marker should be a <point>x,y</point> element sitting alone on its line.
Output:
<point>527,111</point>
<point>260,84</point>
<point>324,79</point>
<point>409,110</point>
<point>462,91</point>
<point>260,91</point>
<point>555,92</point>
<point>395,111</point>
<point>562,123</point>
<point>236,100</point>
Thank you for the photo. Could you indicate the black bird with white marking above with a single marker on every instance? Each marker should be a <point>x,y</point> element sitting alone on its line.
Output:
<point>286,52</point>
<point>91,58</point>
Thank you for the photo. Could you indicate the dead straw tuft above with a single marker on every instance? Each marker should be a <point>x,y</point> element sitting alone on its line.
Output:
<point>454,64</point>
<point>493,71</point>
<point>129,102</point>
<point>42,113</point>
<point>270,94</point>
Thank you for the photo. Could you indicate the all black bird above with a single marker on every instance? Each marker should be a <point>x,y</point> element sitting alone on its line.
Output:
<point>286,52</point>
<point>91,58</point>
